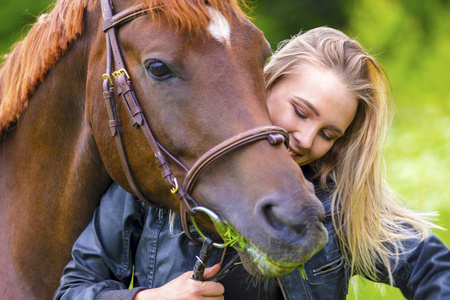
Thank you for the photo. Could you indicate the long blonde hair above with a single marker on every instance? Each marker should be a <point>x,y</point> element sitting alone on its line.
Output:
<point>370,221</point>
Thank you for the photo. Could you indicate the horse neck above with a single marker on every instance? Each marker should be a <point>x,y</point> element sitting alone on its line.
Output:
<point>52,176</point>
<point>53,135</point>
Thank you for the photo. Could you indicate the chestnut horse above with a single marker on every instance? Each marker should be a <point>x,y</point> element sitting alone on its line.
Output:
<point>197,71</point>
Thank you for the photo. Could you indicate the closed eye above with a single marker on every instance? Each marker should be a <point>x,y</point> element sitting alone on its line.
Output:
<point>329,135</point>
<point>297,111</point>
<point>326,137</point>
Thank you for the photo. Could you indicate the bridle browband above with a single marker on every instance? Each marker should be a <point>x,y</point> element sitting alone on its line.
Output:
<point>188,206</point>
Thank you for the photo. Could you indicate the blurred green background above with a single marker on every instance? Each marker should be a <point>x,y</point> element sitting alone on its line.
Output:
<point>411,38</point>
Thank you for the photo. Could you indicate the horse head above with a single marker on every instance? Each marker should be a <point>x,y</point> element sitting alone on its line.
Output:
<point>197,72</point>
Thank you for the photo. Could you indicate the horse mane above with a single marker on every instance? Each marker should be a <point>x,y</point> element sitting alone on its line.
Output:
<point>53,34</point>
<point>192,15</point>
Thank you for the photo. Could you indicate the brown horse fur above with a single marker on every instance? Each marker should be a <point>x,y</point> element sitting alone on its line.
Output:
<point>59,158</point>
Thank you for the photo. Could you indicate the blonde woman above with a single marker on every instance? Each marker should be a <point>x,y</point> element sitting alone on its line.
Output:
<point>332,98</point>
<point>376,234</point>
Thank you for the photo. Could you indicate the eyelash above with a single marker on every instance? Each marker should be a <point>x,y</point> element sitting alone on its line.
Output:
<point>298,113</point>
<point>325,137</point>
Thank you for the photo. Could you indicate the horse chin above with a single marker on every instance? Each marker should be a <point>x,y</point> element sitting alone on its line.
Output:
<point>259,265</point>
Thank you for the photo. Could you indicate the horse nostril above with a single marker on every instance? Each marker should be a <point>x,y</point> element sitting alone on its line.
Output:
<point>272,219</point>
<point>278,220</point>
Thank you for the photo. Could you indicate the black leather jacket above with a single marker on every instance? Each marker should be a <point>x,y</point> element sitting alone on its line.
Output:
<point>125,232</point>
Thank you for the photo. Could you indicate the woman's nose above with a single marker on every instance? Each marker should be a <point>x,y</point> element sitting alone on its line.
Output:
<point>304,140</point>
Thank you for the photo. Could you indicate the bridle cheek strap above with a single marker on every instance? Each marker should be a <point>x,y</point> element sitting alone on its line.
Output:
<point>126,91</point>
<point>274,134</point>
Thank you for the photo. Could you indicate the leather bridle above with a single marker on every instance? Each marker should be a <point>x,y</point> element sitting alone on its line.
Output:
<point>111,21</point>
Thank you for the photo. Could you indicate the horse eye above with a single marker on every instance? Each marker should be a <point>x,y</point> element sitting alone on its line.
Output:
<point>158,69</point>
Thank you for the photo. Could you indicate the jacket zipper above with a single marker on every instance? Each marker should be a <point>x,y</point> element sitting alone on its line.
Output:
<point>321,270</point>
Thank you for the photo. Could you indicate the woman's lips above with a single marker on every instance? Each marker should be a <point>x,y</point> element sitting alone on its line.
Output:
<point>292,154</point>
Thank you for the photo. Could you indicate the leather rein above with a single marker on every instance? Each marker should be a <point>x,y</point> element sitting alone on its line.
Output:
<point>122,83</point>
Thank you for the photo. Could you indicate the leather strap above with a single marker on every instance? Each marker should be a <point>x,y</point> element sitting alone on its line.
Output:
<point>249,136</point>
<point>227,268</point>
<point>113,53</point>
<point>124,16</point>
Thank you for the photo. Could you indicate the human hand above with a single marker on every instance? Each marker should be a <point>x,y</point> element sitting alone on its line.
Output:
<point>184,287</point>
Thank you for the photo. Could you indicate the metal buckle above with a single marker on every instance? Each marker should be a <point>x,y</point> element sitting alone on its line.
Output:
<point>117,73</point>
<point>106,76</point>
<point>215,219</point>
<point>174,189</point>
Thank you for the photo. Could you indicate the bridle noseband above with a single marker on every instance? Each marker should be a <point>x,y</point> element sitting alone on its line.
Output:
<point>188,206</point>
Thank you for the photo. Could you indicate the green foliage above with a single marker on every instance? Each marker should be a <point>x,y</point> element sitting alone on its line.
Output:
<point>411,38</point>
<point>16,16</point>
<point>282,19</point>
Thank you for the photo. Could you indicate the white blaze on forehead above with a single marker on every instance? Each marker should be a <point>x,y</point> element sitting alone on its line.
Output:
<point>218,26</point>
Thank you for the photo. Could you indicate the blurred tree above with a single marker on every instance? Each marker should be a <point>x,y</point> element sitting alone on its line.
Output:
<point>282,19</point>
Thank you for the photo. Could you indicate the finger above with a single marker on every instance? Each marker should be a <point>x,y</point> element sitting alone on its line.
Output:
<point>211,271</point>
<point>210,288</point>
